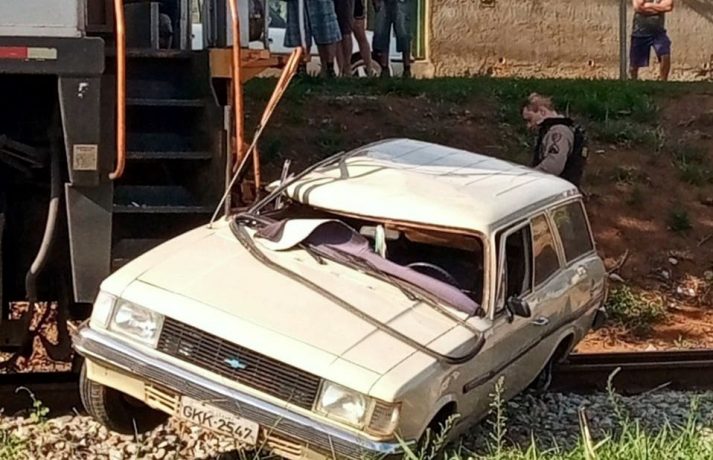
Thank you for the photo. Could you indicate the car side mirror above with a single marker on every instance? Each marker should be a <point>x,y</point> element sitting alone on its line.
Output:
<point>519,307</point>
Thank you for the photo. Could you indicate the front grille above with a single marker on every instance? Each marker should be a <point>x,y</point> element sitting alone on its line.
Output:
<point>238,363</point>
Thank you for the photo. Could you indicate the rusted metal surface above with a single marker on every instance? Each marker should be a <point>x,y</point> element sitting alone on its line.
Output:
<point>120,90</point>
<point>689,370</point>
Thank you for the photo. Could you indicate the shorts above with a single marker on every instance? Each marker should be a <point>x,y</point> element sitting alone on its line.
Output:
<point>641,48</point>
<point>320,21</point>
<point>359,12</point>
<point>345,16</point>
<point>398,13</point>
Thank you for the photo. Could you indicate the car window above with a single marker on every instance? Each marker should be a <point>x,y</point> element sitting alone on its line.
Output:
<point>571,224</point>
<point>545,251</point>
<point>517,273</point>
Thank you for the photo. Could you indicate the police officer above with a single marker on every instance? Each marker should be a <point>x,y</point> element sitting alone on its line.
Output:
<point>561,144</point>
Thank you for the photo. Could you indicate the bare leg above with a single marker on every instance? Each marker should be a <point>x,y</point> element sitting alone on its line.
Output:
<point>665,67</point>
<point>348,45</point>
<point>634,73</point>
<point>364,48</point>
<point>344,55</point>
<point>326,59</point>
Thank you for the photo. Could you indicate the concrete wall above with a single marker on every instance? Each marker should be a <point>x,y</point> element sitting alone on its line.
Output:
<point>557,38</point>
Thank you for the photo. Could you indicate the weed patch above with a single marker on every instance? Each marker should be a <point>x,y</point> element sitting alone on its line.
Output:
<point>628,440</point>
<point>626,132</point>
<point>693,166</point>
<point>633,310</point>
<point>12,447</point>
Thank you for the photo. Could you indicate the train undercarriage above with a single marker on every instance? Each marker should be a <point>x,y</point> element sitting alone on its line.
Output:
<point>73,206</point>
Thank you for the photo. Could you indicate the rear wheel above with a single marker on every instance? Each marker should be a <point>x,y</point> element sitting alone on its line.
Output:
<point>544,379</point>
<point>116,410</point>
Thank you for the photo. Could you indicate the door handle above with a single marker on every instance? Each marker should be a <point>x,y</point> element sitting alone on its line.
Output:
<point>540,321</point>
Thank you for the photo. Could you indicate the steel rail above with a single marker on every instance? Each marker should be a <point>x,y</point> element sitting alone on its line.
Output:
<point>638,372</point>
<point>635,372</point>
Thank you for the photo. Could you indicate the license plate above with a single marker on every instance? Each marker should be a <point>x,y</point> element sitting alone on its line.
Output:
<point>218,420</point>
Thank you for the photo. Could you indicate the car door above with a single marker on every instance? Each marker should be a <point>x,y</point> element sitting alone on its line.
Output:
<point>549,296</point>
<point>509,336</point>
<point>583,268</point>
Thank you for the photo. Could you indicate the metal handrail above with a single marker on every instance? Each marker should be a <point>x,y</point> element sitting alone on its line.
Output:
<point>120,38</point>
<point>237,82</point>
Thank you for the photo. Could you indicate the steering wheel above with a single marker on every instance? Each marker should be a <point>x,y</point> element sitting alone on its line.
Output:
<point>447,276</point>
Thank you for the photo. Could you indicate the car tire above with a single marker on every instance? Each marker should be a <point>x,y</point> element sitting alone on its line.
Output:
<point>544,379</point>
<point>116,410</point>
<point>359,67</point>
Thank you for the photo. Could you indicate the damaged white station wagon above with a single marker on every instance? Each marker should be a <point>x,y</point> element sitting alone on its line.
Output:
<point>360,303</point>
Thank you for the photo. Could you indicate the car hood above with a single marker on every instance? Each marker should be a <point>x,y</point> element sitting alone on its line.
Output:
<point>209,280</point>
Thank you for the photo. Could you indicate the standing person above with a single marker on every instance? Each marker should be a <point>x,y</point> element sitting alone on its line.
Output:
<point>649,31</point>
<point>396,12</point>
<point>561,144</point>
<point>345,18</point>
<point>321,24</point>
<point>359,29</point>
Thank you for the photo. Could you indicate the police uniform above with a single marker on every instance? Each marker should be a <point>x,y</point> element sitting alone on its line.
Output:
<point>561,149</point>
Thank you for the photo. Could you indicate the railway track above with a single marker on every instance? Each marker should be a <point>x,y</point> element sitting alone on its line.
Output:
<point>689,370</point>
<point>581,373</point>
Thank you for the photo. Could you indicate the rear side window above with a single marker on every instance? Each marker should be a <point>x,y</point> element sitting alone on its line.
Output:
<point>546,260</point>
<point>573,230</point>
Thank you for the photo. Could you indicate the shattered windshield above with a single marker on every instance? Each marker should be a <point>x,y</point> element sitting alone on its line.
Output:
<point>445,265</point>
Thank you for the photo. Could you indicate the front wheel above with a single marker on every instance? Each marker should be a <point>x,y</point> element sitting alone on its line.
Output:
<point>116,410</point>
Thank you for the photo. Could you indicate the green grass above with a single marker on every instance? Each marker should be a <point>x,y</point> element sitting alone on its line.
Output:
<point>12,447</point>
<point>592,100</point>
<point>693,165</point>
<point>626,132</point>
<point>633,310</point>
<point>629,441</point>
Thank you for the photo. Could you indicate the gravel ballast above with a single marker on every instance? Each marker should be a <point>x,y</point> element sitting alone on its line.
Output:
<point>551,418</point>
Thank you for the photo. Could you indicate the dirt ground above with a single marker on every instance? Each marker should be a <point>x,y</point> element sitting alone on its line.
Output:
<point>650,204</point>
<point>640,204</point>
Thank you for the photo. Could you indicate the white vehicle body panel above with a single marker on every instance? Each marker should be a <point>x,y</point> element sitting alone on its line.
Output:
<point>207,279</point>
<point>42,18</point>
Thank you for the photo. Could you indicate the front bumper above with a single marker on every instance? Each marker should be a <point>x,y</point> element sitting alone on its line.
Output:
<point>314,434</point>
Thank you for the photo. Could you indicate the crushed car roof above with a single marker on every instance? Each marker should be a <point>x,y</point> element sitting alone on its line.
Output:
<point>421,182</point>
